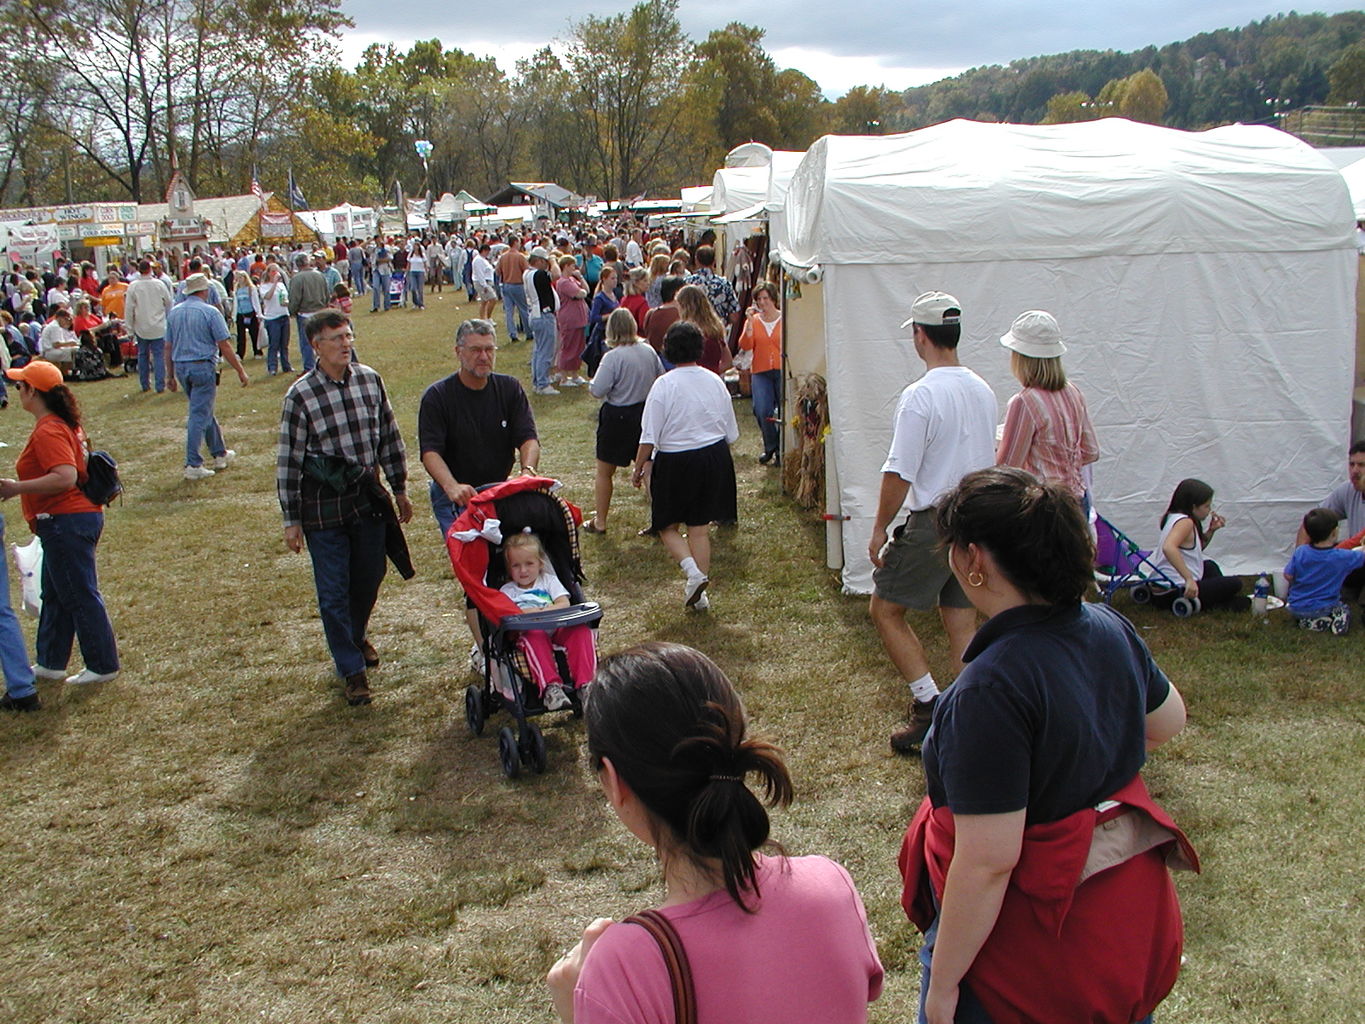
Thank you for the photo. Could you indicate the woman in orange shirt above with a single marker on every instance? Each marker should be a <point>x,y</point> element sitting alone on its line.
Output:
<point>763,337</point>
<point>69,525</point>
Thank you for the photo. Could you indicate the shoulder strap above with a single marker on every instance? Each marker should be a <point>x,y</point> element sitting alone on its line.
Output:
<point>675,958</point>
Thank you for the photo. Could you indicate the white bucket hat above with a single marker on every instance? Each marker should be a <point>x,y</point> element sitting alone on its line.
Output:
<point>1036,334</point>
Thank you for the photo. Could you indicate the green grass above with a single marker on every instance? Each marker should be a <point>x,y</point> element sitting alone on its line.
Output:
<point>217,836</point>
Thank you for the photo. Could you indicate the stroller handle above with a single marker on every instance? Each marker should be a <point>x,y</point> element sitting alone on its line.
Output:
<point>586,614</point>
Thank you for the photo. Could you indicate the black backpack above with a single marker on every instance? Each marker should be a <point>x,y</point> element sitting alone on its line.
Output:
<point>102,484</point>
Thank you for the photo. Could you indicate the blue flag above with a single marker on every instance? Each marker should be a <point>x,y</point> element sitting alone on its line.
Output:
<point>296,199</point>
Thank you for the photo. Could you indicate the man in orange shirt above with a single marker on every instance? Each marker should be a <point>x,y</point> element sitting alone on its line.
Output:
<point>512,267</point>
<point>111,295</point>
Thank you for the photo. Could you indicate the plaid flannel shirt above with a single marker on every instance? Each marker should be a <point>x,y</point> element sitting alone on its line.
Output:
<point>350,419</point>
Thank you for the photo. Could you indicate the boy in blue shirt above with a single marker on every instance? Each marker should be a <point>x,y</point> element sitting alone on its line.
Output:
<point>1315,573</point>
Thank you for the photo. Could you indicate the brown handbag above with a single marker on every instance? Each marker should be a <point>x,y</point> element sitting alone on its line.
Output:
<point>675,959</point>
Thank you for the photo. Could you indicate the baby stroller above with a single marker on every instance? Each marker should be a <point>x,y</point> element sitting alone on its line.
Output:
<point>475,545</point>
<point>1121,565</point>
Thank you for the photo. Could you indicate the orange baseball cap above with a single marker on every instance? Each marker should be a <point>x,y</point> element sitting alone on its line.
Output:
<point>39,375</point>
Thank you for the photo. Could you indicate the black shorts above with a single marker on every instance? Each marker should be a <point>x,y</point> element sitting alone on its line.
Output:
<point>618,433</point>
<point>695,487</point>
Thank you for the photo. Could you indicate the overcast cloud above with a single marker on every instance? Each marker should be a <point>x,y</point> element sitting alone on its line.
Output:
<point>841,44</point>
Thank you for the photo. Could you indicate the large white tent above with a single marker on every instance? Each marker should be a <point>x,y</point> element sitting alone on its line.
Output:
<point>1205,284</point>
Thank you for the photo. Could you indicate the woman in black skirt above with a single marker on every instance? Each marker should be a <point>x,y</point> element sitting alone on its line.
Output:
<point>622,381</point>
<point>684,454</point>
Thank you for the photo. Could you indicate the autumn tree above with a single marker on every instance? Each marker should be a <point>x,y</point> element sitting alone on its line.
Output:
<point>1143,97</point>
<point>1347,76</point>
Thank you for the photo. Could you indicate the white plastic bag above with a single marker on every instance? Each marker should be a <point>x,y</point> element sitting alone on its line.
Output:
<point>28,559</point>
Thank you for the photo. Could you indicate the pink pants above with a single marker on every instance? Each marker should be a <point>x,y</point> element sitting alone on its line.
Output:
<point>579,649</point>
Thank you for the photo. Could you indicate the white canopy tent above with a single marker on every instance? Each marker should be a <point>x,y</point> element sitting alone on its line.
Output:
<point>1355,182</point>
<point>1205,284</point>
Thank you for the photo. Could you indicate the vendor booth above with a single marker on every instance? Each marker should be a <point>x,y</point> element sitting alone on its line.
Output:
<point>1205,284</point>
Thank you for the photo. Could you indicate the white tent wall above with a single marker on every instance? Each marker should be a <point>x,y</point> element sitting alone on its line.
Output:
<point>1205,284</point>
<point>1177,385</point>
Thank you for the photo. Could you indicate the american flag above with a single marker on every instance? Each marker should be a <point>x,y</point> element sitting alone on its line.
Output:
<point>257,191</point>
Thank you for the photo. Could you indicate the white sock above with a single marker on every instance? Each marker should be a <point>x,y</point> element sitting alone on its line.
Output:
<point>689,567</point>
<point>924,688</point>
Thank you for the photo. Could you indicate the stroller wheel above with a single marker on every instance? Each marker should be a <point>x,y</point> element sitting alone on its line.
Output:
<point>508,753</point>
<point>535,749</point>
<point>473,710</point>
<point>1184,607</point>
<point>1142,594</point>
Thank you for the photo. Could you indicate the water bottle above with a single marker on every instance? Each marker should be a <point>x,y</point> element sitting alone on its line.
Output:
<point>1259,594</point>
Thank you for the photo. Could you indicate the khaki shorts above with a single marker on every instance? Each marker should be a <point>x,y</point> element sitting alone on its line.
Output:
<point>914,572</point>
<point>485,293</point>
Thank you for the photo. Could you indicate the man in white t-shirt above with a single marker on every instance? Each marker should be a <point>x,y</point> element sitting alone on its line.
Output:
<point>944,429</point>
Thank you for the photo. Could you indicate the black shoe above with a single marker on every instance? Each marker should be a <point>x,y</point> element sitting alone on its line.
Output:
<point>907,740</point>
<point>765,458</point>
<point>357,689</point>
<point>29,703</point>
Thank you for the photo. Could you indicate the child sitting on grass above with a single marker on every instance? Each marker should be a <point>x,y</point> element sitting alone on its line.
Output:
<point>1315,573</point>
<point>535,587</point>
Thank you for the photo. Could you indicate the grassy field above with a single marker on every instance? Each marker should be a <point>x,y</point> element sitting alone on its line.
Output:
<point>216,836</point>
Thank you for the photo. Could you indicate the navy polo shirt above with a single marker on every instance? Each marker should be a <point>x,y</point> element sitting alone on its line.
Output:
<point>1048,715</point>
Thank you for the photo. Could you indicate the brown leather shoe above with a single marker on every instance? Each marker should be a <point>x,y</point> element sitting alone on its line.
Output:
<point>370,655</point>
<point>907,740</point>
<point>357,689</point>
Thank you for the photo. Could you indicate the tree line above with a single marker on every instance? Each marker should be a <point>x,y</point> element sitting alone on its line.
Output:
<point>121,91</point>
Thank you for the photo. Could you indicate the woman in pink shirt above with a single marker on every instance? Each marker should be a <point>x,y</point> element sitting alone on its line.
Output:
<point>1047,426</point>
<point>768,938</point>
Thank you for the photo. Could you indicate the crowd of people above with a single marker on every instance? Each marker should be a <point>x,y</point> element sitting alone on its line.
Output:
<point>1031,756</point>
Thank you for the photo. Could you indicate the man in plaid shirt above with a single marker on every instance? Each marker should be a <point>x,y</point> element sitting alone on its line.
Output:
<point>337,432</point>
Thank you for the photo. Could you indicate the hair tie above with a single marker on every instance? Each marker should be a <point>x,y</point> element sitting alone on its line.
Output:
<point>726,778</point>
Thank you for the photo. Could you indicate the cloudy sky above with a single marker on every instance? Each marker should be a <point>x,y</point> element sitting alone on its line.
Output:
<point>897,43</point>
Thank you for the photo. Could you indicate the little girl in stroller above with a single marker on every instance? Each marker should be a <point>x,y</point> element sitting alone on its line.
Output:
<point>534,587</point>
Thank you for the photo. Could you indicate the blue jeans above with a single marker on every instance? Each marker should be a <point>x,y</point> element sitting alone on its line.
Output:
<point>380,283</point>
<point>305,349</point>
<point>72,605</point>
<point>277,345</point>
<point>416,278</point>
<point>442,508</point>
<point>348,566</point>
<point>13,653</point>
<point>543,330</point>
<point>767,402</point>
<point>199,380</point>
<point>357,279</point>
<point>969,1008</point>
<point>151,363</point>
<point>514,301</point>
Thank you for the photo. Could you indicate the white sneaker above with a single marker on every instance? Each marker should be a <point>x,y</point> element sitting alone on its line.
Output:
<point>703,604</point>
<point>545,390</point>
<point>85,676</point>
<point>197,472</point>
<point>696,589</point>
<point>476,660</point>
<point>50,674</point>
<point>577,381</point>
<point>570,382</point>
<point>555,698</point>
<point>225,460</point>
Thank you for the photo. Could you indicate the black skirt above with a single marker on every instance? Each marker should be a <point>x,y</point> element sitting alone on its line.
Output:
<point>695,487</point>
<point>618,433</point>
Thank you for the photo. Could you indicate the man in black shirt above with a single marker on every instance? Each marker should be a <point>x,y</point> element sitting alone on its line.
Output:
<point>473,424</point>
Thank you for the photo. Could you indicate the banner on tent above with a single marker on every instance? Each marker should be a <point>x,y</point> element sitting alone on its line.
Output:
<point>276,225</point>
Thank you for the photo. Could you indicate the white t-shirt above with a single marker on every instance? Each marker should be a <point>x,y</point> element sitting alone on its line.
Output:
<point>944,429</point>
<point>483,271</point>
<point>541,594</point>
<point>688,408</point>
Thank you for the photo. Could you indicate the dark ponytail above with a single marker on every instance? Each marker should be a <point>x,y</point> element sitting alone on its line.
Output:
<point>61,402</point>
<point>1035,532</point>
<point>674,728</point>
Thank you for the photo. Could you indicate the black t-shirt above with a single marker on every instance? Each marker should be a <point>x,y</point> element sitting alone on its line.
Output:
<point>1049,714</point>
<point>477,433</point>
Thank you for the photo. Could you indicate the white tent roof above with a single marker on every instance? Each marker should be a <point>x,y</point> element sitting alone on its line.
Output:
<point>749,154</point>
<point>780,172</point>
<point>696,197</point>
<point>734,188</point>
<point>965,191</point>
<point>1355,182</point>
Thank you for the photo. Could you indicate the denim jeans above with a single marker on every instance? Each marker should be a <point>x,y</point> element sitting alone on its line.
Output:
<point>13,653</point>
<point>305,349</point>
<point>543,330</point>
<point>199,379</point>
<point>277,345</point>
<point>767,402</point>
<point>357,279</point>
<point>514,302</point>
<point>381,290</point>
<point>348,566</point>
<point>416,279</point>
<point>151,362</point>
<point>72,605</point>
<point>442,508</point>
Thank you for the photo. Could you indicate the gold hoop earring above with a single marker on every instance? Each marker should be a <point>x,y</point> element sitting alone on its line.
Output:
<point>979,581</point>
